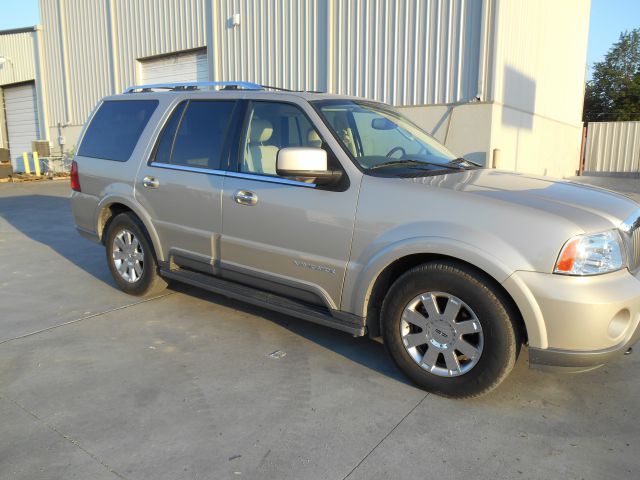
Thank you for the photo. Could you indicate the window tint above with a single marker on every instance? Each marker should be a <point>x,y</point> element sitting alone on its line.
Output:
<point>163,152</point>
<point>116,128</point>
<point>273,126</point>
<point>200,137</point>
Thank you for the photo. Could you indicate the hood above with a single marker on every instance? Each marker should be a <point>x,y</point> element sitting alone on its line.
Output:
<point>590,208</point>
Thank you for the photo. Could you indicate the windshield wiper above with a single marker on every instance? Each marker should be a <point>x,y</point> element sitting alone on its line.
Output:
<point>415,163</point>
<point>463,161</point>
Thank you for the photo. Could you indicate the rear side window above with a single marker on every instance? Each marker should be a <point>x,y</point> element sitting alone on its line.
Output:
<point>115,129</point>
<point>195,134</point>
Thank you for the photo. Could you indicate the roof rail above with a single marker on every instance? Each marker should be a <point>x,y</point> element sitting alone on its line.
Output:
<point>194,86</point>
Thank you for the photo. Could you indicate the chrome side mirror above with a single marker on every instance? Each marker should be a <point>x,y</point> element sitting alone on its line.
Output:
<point>306,165</point>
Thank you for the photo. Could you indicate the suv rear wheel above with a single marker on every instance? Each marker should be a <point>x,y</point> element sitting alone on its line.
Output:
<point>449,331</point>
<point>131,258</point>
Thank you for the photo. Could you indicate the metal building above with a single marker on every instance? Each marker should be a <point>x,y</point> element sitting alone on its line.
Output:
<point>478,74</point>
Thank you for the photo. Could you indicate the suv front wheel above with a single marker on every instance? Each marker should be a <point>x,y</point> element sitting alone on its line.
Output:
<point>130,257</point>
<point>449,331</point>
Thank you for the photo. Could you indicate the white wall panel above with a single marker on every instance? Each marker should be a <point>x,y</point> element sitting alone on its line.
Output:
<point>406,52</point>
<point>613,147</point>
<point>279,42</point>
<point>18,49</point>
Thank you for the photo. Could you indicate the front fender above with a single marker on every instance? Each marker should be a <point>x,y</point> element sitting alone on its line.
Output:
<point>360,279</point>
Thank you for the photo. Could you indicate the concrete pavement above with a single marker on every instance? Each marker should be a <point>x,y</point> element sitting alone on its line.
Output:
<point>96,384</point>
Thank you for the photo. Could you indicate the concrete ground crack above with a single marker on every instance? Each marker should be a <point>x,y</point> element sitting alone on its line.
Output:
<point>385,437</point>
<point>70,322</point>
<point>66,437</point>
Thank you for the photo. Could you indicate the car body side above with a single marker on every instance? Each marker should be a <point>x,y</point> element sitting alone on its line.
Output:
<point>400,222</point>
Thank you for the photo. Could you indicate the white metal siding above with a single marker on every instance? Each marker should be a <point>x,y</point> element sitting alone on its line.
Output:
<point>19,50</point>
<point>613,147</point>
<point>81,29</point>
<point>180,67</point>
<point>406,52</point>
<point>279,42</point>
<point>22,120</point>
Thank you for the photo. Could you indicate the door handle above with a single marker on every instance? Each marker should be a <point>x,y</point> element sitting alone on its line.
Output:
<point>150,182</point>
<point>244,197</point>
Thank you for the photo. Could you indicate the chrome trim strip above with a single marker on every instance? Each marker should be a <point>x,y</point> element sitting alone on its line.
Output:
<point>184,168</point>
<point>630,230</point>
<point>265,178</point>
<point>631,222</point>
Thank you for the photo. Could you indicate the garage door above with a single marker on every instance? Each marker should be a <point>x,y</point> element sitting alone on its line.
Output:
<point>22,121</point>
<point>179,67</point>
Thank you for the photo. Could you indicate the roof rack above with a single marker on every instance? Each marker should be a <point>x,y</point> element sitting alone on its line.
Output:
<point>194,86</point>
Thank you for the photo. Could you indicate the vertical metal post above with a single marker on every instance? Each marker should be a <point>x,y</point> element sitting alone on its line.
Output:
<point>36,163</point>
<point>582,150</point>
<point>497,154</point>
<point>25,160</point>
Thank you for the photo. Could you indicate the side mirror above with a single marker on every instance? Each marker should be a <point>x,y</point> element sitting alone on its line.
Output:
<point>306,165</point>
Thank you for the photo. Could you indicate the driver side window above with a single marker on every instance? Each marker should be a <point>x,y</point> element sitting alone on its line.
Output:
<point>272,126</point>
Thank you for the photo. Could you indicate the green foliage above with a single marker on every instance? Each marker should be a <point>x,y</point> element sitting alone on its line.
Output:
<point>613,94</point>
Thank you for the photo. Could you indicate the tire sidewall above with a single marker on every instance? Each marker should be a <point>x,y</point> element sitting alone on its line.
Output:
<point>129,222</point>
<point>500,341</point>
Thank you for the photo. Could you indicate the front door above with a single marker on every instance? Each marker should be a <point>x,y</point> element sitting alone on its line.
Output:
<point>293,236</point>
<point>181,187</point>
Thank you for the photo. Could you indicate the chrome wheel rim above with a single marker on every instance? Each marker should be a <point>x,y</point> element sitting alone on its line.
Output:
<point>442,334</point>
<point>128,256</point>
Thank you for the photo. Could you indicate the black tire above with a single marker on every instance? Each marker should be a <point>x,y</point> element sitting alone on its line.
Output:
<point>501,338</point>
<point>149,282</point>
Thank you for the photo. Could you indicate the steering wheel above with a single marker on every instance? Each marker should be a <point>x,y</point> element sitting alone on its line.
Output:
<point>396,149</point>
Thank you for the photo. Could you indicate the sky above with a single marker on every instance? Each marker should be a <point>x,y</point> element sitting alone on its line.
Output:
<point>608,19</point>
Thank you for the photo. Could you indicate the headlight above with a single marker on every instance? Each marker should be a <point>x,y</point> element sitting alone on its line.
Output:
<point>591,254</point>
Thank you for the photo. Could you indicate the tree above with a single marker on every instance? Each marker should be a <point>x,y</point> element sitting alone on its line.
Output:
<point>613,93</point>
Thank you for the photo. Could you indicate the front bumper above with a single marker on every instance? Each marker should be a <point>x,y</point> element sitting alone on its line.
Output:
<point>580,322</point>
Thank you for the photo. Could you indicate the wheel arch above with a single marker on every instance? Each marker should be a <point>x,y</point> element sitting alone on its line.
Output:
<point>366,286</point>
<point>110,207</point>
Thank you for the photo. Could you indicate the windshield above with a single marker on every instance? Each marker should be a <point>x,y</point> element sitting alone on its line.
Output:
<point>381,139</point>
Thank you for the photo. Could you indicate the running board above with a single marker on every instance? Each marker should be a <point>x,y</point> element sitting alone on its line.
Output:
<point>260,298</point>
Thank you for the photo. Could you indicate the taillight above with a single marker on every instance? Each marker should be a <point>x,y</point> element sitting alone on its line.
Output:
<point>75,180</point>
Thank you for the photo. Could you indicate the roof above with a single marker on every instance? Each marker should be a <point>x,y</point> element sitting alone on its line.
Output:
<point>13,31</point>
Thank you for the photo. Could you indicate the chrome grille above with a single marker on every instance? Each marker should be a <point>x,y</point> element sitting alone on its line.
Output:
<point>634,249</point>
<point>630,229</point>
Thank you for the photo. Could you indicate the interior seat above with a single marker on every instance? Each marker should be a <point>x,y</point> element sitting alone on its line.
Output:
<point>259,157</point>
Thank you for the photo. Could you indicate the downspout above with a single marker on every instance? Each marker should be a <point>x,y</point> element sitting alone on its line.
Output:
<point>64,63</point>
<point>41,91</point>
<point>114,71</point>
<point>212,25</point>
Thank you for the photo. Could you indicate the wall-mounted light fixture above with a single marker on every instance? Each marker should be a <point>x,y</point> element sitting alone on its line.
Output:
<point>4,60</point>
<point>235,20</point>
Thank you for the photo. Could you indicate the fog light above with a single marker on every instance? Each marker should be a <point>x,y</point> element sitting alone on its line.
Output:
<point>619,323</point>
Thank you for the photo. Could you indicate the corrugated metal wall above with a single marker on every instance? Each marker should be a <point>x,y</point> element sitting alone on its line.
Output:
<point>613,147</point>
<point>279,42</point>
<point>86,60</point>
<point>18,48</point>
<point>145,28</point>
<point>406,52</point>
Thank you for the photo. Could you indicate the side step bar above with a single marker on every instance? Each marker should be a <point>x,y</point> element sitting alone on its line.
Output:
<point>268,300</point>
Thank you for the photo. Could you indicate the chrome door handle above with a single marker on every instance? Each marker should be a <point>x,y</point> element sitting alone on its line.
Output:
<point>244,197</point>
<point>150,182</point>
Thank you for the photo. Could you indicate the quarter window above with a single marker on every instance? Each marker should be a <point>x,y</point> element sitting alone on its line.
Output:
<point>195,134</point>
<point>115,129</point>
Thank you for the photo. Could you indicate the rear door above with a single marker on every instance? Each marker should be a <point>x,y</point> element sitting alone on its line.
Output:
<point>181,185</point>
<point>293,238</point>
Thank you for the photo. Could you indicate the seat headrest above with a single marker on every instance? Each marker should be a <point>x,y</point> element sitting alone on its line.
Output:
<point>313,139</point>
<point>260,131</point>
